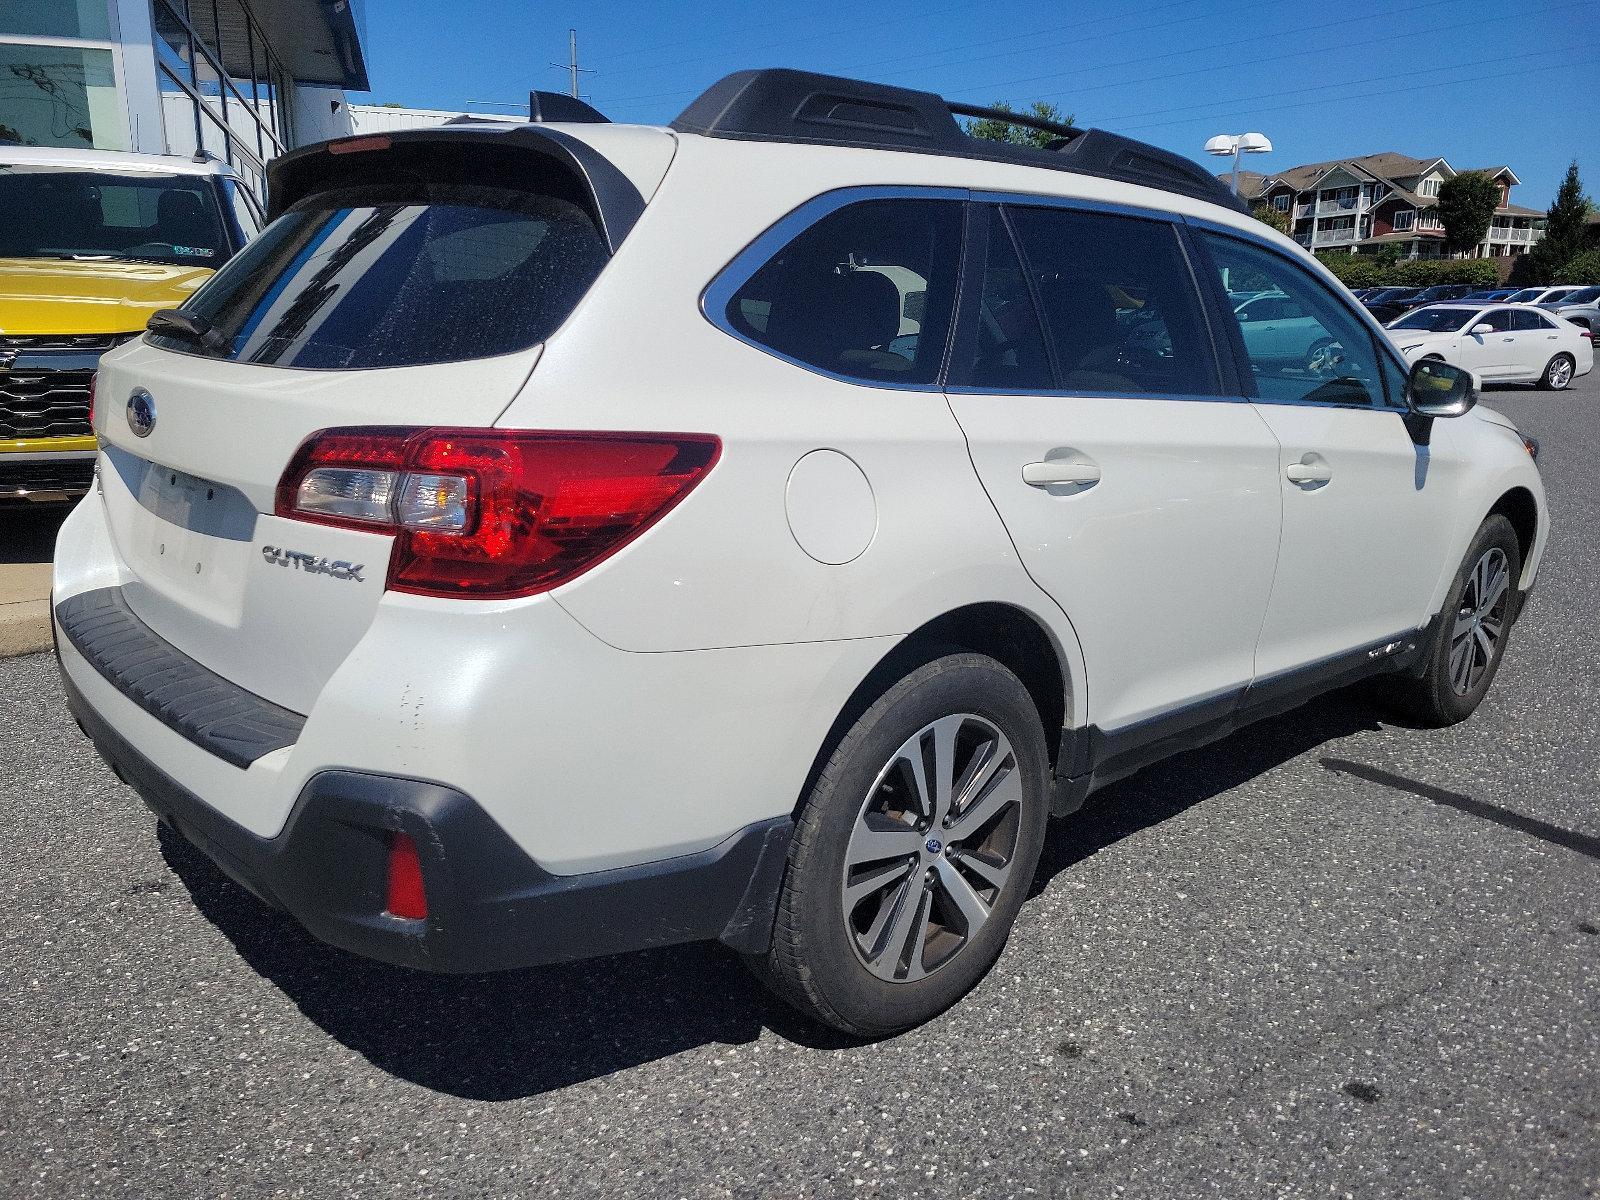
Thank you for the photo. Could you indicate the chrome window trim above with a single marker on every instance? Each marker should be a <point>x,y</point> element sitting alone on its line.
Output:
<point>714,298</point>
<point>1075,394</point>
<point>719,293</point>
<point>1079,203</point>
<point>1363,317</point>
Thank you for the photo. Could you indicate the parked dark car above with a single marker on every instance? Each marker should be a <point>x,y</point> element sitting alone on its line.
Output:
<point>1440,293</point>
<point>1386,304</point>
<point>1495,294</point>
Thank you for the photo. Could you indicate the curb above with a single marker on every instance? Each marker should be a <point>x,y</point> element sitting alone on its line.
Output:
<point>24,607</point>
<point>24,627</point>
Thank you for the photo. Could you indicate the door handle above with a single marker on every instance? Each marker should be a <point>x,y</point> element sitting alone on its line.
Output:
<point>1308,472</point>
<point>1053,472</point>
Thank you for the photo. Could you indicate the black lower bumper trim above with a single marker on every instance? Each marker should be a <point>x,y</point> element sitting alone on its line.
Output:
<point>490,907</point>
<point>215,714</point>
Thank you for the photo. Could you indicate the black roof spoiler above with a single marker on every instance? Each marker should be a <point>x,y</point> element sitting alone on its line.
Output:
<point>460,153</point>
<point>782,105</point>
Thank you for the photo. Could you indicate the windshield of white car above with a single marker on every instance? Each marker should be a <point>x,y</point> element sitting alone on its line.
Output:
<point>88,215</point>
<point>1582,296</point>
<point>1525,296</point>
<point>1436,320</point>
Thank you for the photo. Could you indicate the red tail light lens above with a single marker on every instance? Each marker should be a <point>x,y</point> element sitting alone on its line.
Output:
<point>92,378</point>
<point>405,896</point>
<point>491,514</point>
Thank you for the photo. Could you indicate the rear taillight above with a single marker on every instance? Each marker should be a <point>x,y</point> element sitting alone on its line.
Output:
<point>487,513</point>
<point>92,378</point>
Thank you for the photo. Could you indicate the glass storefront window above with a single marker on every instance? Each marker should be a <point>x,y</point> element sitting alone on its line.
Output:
<point>60,96</point>
<point>172,43</point>
<point>56,18</point>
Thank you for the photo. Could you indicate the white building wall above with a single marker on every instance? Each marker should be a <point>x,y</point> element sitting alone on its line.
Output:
<point>376,118</point>
<point>319,113</point>
<point>141,94</point>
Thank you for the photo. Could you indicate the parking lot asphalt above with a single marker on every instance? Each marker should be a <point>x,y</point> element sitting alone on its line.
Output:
<point>1330,956</point>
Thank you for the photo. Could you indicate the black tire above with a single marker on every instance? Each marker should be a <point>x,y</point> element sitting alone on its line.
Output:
<point>814,963</point>
<point>1433,698</point>
<point>1553,369</point>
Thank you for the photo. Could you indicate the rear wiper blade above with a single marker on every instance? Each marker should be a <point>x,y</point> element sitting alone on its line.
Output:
<point>188,327</point>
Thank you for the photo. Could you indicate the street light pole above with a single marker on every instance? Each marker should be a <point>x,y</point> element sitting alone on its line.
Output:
<point>1233,145</point>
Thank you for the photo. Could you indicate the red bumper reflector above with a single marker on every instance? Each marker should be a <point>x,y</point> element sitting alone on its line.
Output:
<point>406,897</point>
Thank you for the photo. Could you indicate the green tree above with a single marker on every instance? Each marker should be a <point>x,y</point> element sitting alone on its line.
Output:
<point>1267,215</point>
<point>1564,228</point>
<point>994,129</point>
<point>1582,268</point>
<point>1466,206</point>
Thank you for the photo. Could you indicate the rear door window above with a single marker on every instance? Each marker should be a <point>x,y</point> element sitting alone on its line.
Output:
<point>365,279</point>
<point>1119,304</point>
<point>1005,350</point>
<point>866,292</point>
<point>1524,321</point>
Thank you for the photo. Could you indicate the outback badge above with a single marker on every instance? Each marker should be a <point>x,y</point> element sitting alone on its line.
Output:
<point>312,564</point>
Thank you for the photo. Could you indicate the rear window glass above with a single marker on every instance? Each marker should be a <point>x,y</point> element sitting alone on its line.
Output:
<point>351,280</point>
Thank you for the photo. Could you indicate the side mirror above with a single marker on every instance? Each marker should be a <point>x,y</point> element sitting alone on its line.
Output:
<point>1437,389</point>
<point>1482,329</point>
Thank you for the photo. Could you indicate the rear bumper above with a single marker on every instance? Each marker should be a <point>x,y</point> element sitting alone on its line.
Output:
<point>490,907</point>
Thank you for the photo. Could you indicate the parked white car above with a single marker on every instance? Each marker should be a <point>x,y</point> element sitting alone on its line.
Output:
<point>1581,307</point>
<point>1504,343</point>
<point>751,530</point>
<point>1277,328</point>
<point>1540,295</point>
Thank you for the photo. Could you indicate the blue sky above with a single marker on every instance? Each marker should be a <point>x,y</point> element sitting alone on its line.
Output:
<point>1480,82</point>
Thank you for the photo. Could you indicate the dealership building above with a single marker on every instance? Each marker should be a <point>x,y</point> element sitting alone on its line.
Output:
<point>243,80</point>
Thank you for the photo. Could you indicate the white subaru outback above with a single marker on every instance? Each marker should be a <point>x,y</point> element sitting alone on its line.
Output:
<point>556,539</point>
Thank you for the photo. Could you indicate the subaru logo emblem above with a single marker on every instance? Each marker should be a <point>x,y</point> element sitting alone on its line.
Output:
<point>933,846</point>
<point>141,413</point>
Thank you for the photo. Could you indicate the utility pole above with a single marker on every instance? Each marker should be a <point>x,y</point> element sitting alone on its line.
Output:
<point>571,65</point>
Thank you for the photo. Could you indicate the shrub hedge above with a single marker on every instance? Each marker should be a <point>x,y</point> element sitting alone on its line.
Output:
<point>1364,270</point>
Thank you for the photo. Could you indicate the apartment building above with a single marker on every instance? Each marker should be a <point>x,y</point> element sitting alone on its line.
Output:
<point>1364,204</point>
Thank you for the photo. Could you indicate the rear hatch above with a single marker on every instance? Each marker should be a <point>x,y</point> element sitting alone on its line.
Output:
<point>408,280</point>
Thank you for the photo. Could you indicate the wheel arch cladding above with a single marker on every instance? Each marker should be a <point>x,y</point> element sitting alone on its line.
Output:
<point>1011,636</point>
<point>1520,508</point>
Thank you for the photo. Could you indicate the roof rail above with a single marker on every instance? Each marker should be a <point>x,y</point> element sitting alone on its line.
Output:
<point>1015,118</point>
<point>782,105</point>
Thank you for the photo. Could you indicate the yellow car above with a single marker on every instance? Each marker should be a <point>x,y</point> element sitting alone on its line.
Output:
<point>92,243</point>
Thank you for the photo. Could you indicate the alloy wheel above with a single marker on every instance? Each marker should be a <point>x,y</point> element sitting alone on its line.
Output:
<point>1480,620</point>
<point>1560,373</point>
<point>932,847</point>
